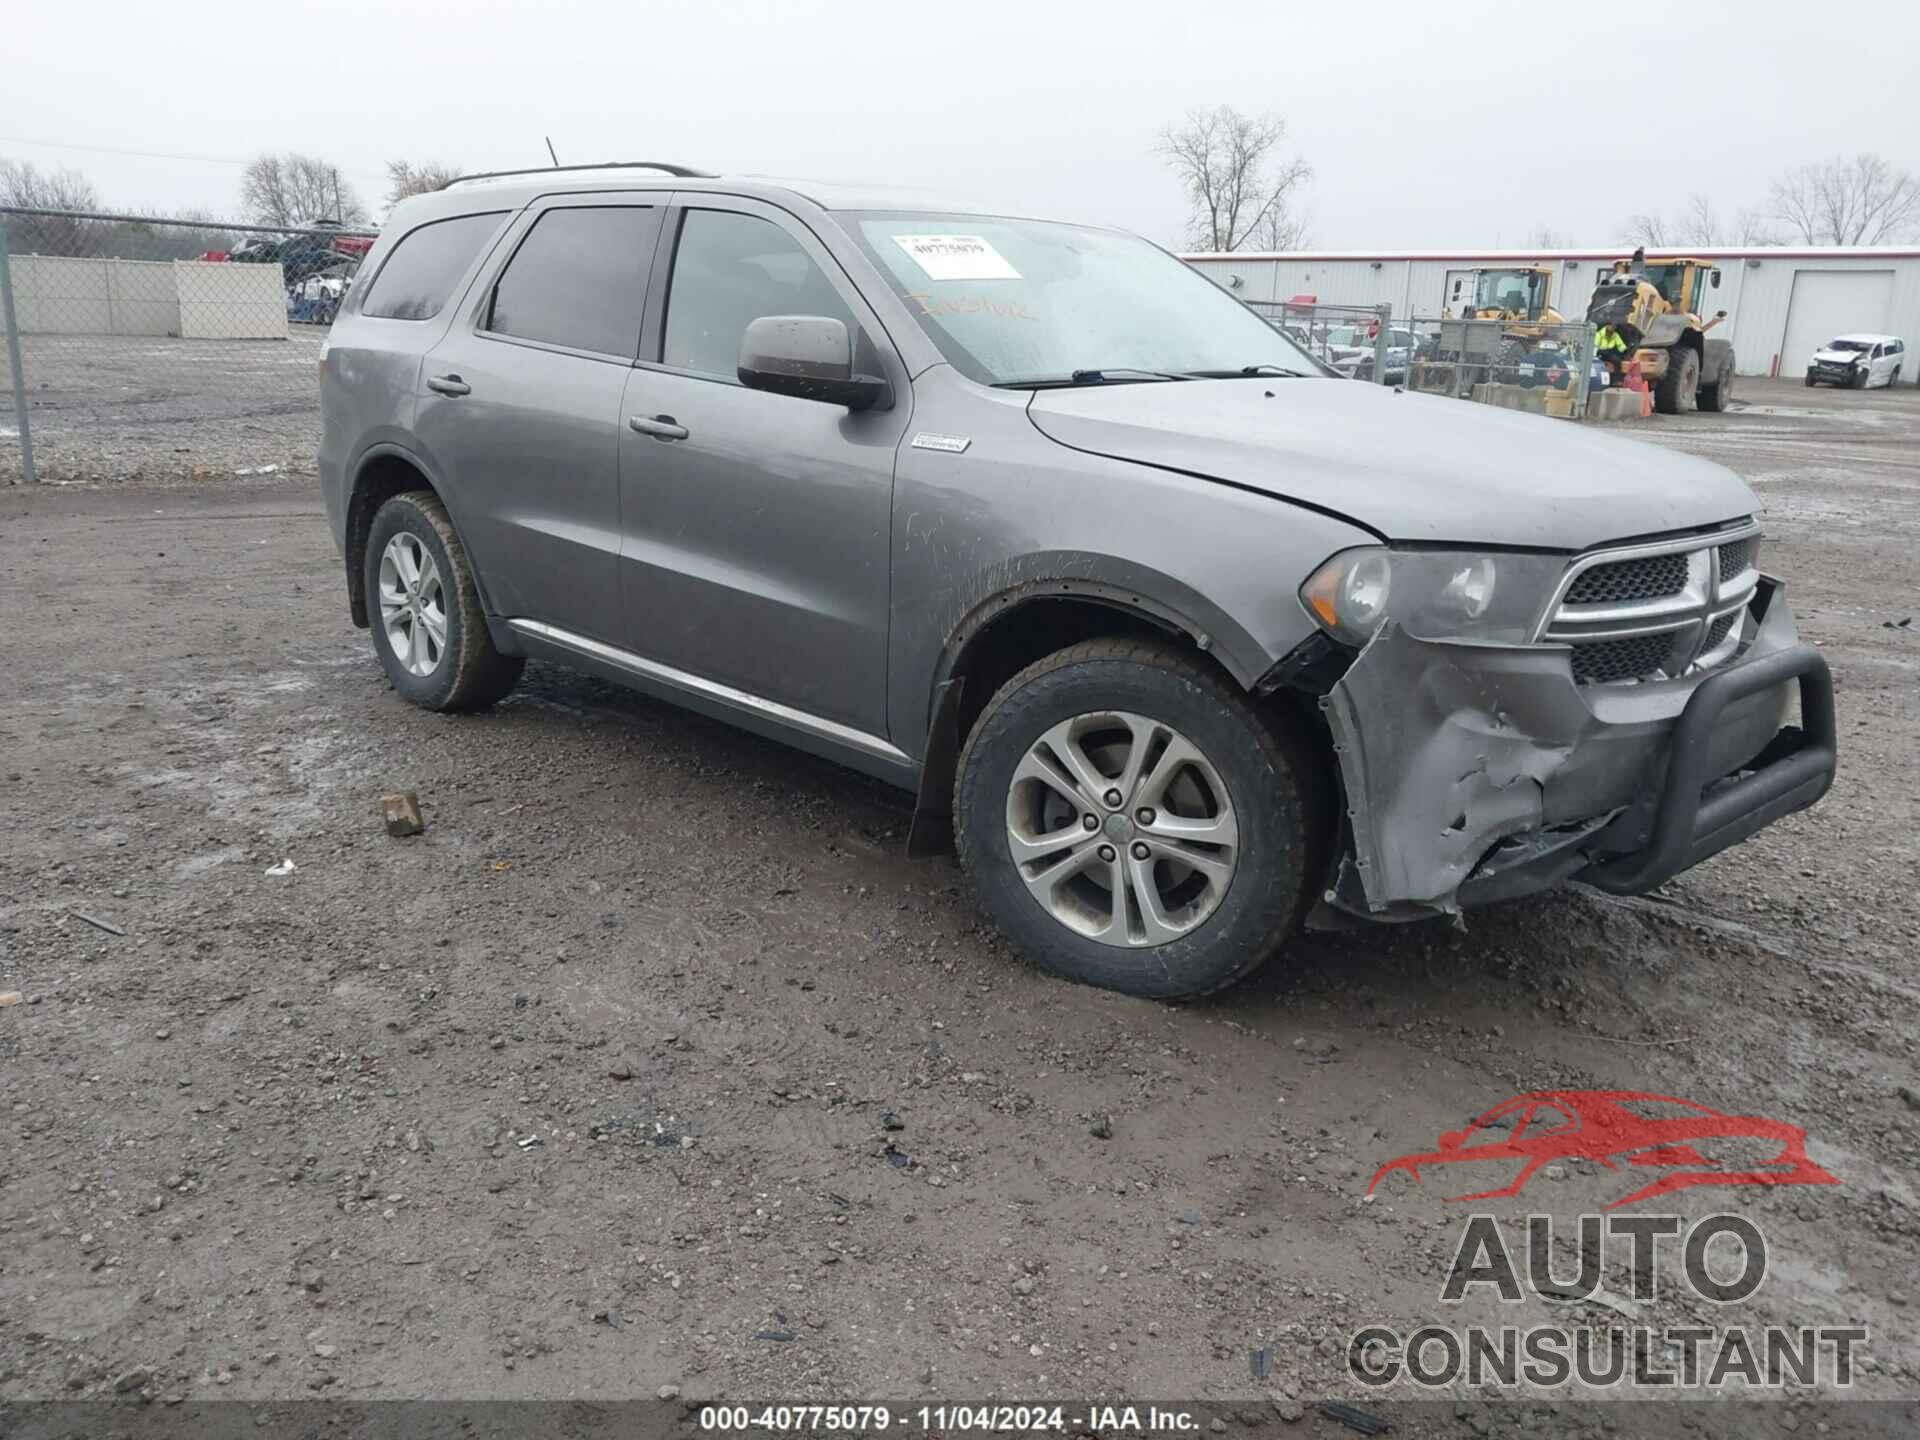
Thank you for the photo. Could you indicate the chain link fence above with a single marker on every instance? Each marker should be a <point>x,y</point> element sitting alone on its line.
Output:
<point>1359,341</point>
<point>151,347</point>
<point>1521,365</point>
<point>1546,369</point>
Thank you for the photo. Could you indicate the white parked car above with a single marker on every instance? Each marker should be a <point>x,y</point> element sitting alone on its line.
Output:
<point>1858,360</point>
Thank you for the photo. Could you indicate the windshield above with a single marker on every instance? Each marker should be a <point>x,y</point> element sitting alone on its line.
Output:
<point>1847,345</point>
<point>1504,290</point>
<point>1012,302</point>
<point>1667,279</point>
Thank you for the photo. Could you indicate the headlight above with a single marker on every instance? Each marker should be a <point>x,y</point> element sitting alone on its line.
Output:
<point>1434,594</point>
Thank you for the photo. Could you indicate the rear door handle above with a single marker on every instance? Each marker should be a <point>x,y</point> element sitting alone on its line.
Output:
<point>448,385</point>
<point>661,427</point>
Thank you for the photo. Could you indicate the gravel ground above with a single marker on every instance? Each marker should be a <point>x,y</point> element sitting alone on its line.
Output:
<point>653,1063</point>
<point>156,409</point>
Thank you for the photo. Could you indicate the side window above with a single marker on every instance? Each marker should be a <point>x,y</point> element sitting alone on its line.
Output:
<point>418,277</point>
<point>579,279</point>
<point>730,269</point>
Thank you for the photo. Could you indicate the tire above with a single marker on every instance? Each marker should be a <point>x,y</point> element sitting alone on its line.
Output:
<point>457,669</point>
<point>1678,391</point>
<point>1117,689</point>
<point>1717,396</point>
<point>1810,380</point>
<point>1506,362</point>
<point>1861,375</point>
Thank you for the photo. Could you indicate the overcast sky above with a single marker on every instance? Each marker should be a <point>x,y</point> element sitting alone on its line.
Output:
<point>1427,124</point>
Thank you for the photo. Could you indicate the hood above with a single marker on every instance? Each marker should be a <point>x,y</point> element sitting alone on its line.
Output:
<point>1839,357</point>
<point>1409,467</point>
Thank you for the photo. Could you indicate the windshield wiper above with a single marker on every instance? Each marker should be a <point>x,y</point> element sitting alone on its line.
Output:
<point>1111,375</point>
<point>1248,372</point>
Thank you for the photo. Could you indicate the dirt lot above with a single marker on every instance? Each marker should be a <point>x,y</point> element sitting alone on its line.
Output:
<point>653,1063</point>
<point>114,408</point>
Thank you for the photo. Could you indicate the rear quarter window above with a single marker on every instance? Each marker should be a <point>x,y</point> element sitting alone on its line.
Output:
<point>426,263</point>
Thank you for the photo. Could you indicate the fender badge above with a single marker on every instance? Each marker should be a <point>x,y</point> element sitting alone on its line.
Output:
<point>952,444</point>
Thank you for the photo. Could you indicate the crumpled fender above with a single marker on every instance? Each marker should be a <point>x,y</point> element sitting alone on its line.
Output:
<point>1455,748</point>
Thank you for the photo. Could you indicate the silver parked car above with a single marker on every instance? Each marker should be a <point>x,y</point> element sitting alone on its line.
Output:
<point>1181,645</point>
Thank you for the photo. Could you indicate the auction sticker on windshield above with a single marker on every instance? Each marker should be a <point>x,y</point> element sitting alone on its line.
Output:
<point>956,257</point>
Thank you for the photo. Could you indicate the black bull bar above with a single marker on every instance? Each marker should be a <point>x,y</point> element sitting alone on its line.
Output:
<point>1692,821</point>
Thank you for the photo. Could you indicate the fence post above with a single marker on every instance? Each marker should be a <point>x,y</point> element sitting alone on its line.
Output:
<point>1383,315</point>
<point>12,322</point>
<point>1583,348</point>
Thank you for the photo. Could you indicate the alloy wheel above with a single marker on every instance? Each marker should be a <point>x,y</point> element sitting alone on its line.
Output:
<point>413,604</point>
<point>1121,829</point>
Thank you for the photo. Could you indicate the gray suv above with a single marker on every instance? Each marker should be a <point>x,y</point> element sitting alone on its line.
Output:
<point>1181,645</point>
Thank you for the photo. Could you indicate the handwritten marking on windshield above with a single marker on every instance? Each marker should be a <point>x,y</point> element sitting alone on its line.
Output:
<point>938,305</point>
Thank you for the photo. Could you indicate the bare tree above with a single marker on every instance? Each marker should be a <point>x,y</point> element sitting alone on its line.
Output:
<point>293,190</point>
<point>25,187</point>
<point>1237,183</point>
<point>1545,237</point>
<point>405,178</point>
<point>1862,201</point>
<point>1646,228</point>
<point>1700,225</point>
<point>1284,228</point>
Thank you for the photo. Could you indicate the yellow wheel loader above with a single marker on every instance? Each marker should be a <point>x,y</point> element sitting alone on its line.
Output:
<point>1656,307</point>
<point>1521,298</point>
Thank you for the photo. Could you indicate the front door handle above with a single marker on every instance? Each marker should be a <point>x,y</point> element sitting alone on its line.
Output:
<point>448,385</point>
<point>661,427</point>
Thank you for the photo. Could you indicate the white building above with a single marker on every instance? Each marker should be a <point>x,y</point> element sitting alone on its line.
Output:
<point>1782,302</point>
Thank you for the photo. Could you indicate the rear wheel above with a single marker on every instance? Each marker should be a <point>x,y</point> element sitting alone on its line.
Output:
<point>1678,391</point>
<point>428,629</point>
<point>1717,396</point>
<point>1130,820</point>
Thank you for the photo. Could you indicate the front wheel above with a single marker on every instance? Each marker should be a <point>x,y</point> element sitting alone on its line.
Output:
<point>1130,820</point>
<point>1678,391</point>
<point>428,627</point>
<point>1860,377</point>
<point>1810,379</point>
<point>1507,361</point>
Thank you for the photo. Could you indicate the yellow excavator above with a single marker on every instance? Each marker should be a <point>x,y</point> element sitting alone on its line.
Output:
<point>1656,307</point>
<point>1521,297</point>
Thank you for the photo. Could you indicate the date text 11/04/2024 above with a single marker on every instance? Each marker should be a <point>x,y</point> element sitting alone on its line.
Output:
<point>947,1419</point>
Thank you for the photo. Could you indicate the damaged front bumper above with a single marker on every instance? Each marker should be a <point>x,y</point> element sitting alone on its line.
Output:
<point>1478,772</point>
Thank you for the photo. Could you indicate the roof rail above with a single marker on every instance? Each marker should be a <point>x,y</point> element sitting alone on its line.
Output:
<point>685,172</point>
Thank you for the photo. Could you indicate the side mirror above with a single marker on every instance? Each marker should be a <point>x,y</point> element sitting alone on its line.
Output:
<point>1714,279</point>
<point>807,356</point>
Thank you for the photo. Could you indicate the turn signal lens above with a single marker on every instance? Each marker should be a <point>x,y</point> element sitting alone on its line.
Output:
<point>1348,595</point>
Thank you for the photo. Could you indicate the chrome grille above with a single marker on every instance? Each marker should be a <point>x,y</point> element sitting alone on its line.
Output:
<point>1735,558</point>
<point>1654,611</point>
<point>1649,578</point>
